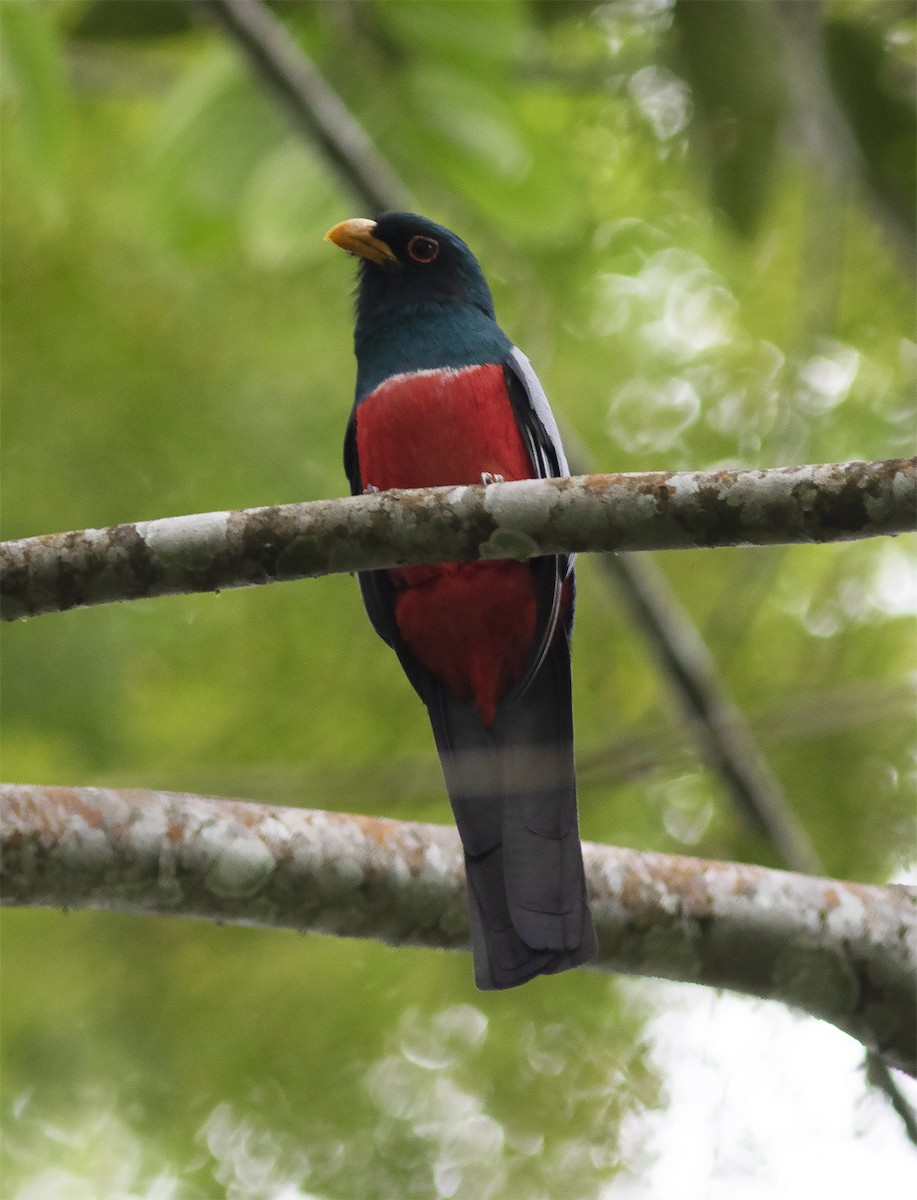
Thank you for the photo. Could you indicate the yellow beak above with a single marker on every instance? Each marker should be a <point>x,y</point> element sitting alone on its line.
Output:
<point>356,237</point>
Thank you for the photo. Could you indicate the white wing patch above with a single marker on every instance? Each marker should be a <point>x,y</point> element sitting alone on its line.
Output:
<point>540,405</point>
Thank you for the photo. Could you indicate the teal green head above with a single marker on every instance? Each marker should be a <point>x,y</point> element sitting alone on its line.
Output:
<point>422,299</point>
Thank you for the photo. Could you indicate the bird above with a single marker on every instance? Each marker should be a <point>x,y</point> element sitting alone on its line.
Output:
<point>443,397</point>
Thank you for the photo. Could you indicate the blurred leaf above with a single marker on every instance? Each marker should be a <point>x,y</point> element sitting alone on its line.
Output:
<point>196,174</point>
<point>735,65</point>
<point>102,19</point>
<point>459,31</point>
<point>288,203</point>
<point>35,79</point>
<point>473,117</point>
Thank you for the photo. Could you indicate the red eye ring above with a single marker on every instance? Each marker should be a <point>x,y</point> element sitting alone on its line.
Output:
<point>423,249</point>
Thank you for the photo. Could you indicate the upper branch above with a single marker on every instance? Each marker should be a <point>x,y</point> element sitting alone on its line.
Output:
<point>843,952</point>
<point>657,511</point>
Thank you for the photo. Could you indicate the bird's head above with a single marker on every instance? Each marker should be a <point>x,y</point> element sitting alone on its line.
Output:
<point>409,263</point>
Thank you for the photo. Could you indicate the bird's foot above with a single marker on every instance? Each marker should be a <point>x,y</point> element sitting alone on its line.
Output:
<point>370,489</point>
<point>487,478</point>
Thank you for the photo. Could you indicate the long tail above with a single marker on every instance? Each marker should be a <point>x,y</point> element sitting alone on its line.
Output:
<point>513,792</point>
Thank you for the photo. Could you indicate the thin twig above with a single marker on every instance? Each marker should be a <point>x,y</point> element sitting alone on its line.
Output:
<point>814,714</point>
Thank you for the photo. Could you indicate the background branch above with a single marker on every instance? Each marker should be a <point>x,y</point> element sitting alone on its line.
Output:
<point>720,730</point>
<point>313,108</point>
<point>821,127</point>
<point>840,951</point>
<point>209,552</point>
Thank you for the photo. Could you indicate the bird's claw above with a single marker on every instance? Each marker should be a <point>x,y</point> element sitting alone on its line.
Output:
<point>370,489</point>
<point>487,478</point>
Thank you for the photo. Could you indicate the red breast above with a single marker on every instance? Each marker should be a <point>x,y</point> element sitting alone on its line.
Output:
<point>471,625</point>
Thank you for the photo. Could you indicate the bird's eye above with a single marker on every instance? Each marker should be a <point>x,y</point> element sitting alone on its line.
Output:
<point>423,249</point>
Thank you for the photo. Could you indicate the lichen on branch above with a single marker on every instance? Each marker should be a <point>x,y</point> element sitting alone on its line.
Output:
<point>655,511</point>
<point>843,952</point>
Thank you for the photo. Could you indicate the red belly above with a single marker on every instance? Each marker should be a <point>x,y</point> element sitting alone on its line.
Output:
<point>471,625</point>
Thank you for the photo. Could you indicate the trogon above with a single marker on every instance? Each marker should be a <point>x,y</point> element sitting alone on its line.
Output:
<point>443,397</point>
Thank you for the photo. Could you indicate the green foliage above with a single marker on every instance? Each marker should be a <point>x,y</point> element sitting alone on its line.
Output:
<point>177,339</point>
<point>34,85</point>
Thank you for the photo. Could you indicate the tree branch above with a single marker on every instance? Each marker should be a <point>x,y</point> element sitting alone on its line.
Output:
<point>843,952</point>
<point>209,552</point>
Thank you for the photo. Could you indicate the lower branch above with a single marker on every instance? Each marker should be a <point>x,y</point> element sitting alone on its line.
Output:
<point>843,952</point>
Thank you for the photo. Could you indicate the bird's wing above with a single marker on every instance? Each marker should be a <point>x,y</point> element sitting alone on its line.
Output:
<point>542,439</point>
<point>378,591</point>
<point>375,586</point>
<point>351,461</point>
<point>534,415</point>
